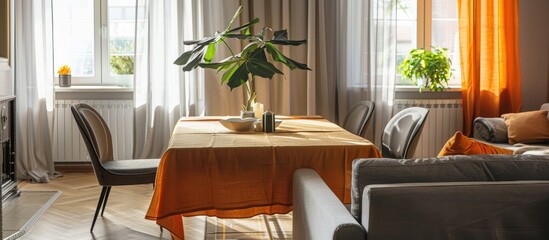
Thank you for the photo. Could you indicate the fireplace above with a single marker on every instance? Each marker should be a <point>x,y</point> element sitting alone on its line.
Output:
<point>7,148</point>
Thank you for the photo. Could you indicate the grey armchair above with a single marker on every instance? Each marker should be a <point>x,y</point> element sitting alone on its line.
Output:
<point>402,132</point>
<point>109,172</point>
<point>489,197</point>
<point>358,117</point>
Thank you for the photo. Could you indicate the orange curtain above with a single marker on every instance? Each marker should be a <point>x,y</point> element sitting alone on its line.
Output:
<point>488,32</point>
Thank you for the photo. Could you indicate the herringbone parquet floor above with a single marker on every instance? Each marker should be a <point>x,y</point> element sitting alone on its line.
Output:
<point>71,215</point>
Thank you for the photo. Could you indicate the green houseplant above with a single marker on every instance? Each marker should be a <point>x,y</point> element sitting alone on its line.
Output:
<point>427,69</point>
<point>241,68</point>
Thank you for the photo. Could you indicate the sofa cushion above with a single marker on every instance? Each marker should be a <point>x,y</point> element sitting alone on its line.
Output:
<point>134,166</point>
<point>527,127</point>
<point>491,130</point>
<point>464,210</point>
<point>462,145</point>
<point>457,168</point>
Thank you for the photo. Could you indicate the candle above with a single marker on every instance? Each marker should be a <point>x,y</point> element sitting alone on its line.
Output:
<point>258,110</point>
<point>268,122</point>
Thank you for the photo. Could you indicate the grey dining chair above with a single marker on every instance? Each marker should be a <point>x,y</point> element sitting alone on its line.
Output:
<point>109,172</point>
<point>358,117</point>
<point>401,133</point>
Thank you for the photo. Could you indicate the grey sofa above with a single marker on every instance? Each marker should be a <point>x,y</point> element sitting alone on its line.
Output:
<point>453,197</point>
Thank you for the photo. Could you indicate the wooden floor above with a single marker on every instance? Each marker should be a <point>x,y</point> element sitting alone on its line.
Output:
<point>71,215</point>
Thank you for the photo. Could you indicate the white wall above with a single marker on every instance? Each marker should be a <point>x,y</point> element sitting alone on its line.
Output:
<point>534,52</point>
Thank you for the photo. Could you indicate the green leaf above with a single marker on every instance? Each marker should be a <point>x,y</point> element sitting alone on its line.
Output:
<point>211,65</point>
<point>281,38</point>
<point>239,77</point>
<point>222,65</point>
<point>258,54</point>
<point>193,62</point>
<point>289,42</point>
<point>279,57</point>
<point>280,35</point>
<point>201,42</point>
<point>238,36</point>
<point>262,68</point>
<point>191,42</point>
<point>247,25</point>
<point>229,73</point>
<point>246,31</point>
<point>258,61</point>
<point>231,59</point>
<point>249,48</point>
<point>299,65</point>
<point>210,53</point>
<point>182,60</point>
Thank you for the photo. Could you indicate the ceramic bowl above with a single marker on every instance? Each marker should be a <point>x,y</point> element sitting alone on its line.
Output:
<point>259,124</point>
<point>238,124</point>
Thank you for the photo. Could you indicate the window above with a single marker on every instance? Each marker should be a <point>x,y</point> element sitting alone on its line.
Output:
<point>426,23</point>
<point>96,39</point>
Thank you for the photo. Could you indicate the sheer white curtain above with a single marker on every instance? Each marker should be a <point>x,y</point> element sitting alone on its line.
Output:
<point>156,86</point>
<point>34,89</point>
<point>162,91</point>
<point>367,65</point>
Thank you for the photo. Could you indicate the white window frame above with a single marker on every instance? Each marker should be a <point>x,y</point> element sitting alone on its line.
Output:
<point>424,27</point>
<point>101,52</point>
<point>424,35</point>
<point>104,38</point>
<point>105,56</point>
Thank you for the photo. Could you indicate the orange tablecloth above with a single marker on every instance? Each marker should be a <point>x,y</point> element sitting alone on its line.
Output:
<point>210,170</point>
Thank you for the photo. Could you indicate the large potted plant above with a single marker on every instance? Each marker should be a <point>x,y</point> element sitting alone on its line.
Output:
<point>427,69</point>
<point>241,68</point>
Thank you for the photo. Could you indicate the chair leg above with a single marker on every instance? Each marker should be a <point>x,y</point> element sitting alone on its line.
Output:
<point>105,201</point>
<point>99,203</point>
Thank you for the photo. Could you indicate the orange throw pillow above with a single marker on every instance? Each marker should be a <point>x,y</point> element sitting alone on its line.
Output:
<point>462,145</point>
<point>527,127</point>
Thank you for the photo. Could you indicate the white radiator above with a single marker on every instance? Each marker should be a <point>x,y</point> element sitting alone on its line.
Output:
<point>444,119</point>
<point>68,145</point>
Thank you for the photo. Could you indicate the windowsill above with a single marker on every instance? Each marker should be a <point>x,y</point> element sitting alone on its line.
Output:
<point>93,92</point>
<point>402,88</point>
<point>94,89</point>
<point>412,92</point>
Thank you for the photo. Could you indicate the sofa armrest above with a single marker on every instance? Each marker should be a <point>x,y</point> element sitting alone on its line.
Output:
<point>317,212</point>
<point>457,210</point>
<point>490,130</point>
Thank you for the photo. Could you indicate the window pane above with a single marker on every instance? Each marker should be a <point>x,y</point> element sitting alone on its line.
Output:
<point>73,36</point>
<point>406,37</point>
<point>445,32</point>
<point>121,17</point>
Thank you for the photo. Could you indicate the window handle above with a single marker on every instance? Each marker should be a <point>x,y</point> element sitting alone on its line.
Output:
<point>104,31</point>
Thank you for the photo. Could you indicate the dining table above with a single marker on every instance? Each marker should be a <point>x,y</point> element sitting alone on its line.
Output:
<point>213,171</point>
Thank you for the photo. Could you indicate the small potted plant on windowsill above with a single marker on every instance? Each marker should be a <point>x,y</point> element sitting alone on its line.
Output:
<point>64,76</point>
<point>241,68</point>
<point>428,69</point>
